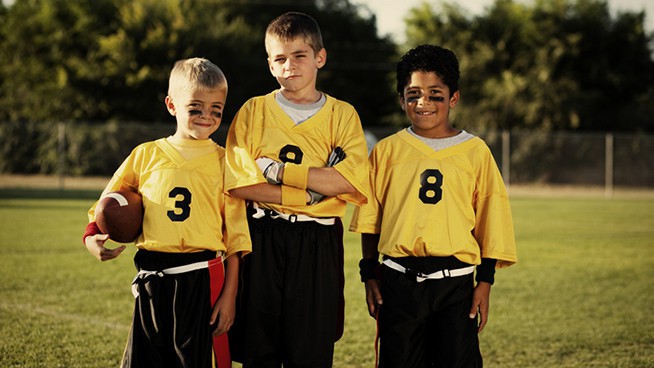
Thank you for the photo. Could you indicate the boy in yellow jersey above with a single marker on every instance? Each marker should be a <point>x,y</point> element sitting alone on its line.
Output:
<point>438,209</point>
<point>189,228</point>
<point>297,155</point>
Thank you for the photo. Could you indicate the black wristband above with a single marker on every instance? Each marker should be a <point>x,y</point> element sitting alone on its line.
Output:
<point>367,268</point>
<point>486,270</point>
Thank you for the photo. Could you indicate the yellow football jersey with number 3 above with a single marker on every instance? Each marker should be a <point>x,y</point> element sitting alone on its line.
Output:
<point>437,203</point>
<point>185,208</point>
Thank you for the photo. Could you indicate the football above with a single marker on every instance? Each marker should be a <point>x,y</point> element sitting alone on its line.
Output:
<point>120,214</point>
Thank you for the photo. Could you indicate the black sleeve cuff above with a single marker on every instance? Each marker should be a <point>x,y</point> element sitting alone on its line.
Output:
<point>486,270</point>
<point>367,268</point>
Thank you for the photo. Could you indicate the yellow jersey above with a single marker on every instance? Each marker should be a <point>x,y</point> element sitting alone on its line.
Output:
<point>262,129</point>
<point>450,202</point>
<point>185,207</point>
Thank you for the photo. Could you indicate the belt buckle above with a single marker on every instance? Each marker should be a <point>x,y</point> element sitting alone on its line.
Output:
<point>292,218</point>
<point>414,275</point>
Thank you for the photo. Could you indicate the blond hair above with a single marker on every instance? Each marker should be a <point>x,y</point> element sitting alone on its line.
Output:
<point>195,73</point>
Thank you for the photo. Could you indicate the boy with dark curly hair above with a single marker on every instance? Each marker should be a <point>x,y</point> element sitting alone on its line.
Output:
<point>438,211</point>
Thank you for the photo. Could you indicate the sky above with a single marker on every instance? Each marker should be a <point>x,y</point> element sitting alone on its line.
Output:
<point>390,13</point>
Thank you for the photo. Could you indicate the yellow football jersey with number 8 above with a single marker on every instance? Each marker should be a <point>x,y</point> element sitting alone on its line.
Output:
<point>262,129</point>
<point>437,203</point>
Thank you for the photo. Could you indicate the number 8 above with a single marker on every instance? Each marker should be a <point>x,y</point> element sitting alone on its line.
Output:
<point>431,182</point>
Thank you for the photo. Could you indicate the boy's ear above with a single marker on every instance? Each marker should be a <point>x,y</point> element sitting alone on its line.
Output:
<point>321,58</point>
<point>170,105</point>
<point>454,99</point>
<point>401,100</point>
<point>270,67</point>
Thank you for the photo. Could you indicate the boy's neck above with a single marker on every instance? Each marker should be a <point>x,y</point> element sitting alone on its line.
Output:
<point>304,97</point>
<point>178,138</point>
<point>436,133</point>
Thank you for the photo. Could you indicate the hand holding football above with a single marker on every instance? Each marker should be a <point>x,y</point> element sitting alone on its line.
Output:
<point>120,214</point>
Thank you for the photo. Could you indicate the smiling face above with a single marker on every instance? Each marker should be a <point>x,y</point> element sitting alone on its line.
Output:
<point>198,112</point>
<point>427,102</point>
<point>295,66</point>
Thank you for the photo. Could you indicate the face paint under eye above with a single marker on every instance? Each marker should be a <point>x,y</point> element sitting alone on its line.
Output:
<point>195,112</point>
<point>436,98</point>
<point>412,99</point>
<point>217,115</point>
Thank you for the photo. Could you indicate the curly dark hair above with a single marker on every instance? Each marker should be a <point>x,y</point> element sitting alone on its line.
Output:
<point>429,58</point>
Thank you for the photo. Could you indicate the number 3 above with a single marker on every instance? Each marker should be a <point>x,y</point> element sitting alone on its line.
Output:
<point>183,204</point>
<point>431,182</point>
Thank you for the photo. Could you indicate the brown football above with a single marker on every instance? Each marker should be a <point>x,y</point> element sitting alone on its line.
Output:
<point>120,214</point>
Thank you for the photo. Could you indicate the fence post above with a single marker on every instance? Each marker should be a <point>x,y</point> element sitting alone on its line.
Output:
<point>608,166</point>
<point>61,153</point>
<point>506,158</point>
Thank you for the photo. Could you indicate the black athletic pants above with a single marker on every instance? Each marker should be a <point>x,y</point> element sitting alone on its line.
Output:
<point>426,324</point>
<point>170,325</point>
<point>288,307</point>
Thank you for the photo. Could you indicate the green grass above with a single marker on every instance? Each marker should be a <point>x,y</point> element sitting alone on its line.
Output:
<point>580,295</point>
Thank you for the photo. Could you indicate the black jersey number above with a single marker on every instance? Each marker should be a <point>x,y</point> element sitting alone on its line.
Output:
<point>291,153</point>
<point>182,204</point>
<point>431,182</point>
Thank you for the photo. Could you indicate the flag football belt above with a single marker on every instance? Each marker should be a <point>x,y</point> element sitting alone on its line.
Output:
<point>143,274</point>
<point>420,277</point>
<point>262,212</point>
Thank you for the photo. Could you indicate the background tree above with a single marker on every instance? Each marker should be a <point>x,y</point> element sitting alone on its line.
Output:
<point>44,44</point>
<point>99,60</point>
<point>563,64</point>
<point>107,61</point>
<point>542,65</point>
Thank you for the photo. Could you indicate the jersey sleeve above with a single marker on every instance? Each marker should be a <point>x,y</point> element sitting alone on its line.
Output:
<point>493,220</point>
<point>354,167</point>
<point>241,170</point>
<point>367,217</point>
<point>124,178</point>
<point>235,232</point>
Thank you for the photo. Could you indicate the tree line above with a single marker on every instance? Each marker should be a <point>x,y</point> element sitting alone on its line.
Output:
<point>544,65</point>
<point>551,65</point>
<point>100,60</point>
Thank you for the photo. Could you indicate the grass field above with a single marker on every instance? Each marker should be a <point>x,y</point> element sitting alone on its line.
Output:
<point>580,295</point>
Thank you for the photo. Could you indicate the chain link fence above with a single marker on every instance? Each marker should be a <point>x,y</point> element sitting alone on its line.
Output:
<point>525,157</point>
<point>568,158</point>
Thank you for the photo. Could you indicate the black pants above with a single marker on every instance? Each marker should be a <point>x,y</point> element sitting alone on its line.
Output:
<point>170,325</point>
<point>288,307</point>
<point>426,324</point>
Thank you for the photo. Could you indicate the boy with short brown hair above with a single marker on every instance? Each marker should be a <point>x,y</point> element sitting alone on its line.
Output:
<point>297,155</point>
